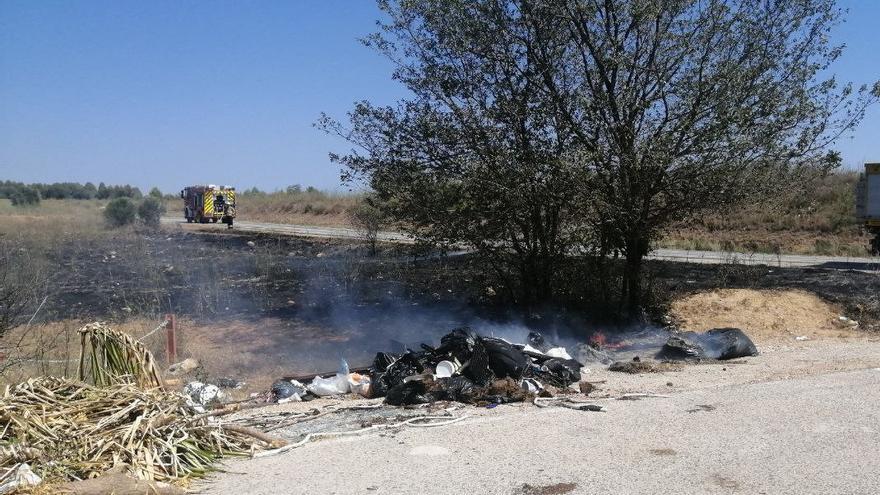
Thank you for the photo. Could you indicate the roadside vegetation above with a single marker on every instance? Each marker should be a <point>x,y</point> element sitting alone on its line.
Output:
<point>295,204</point>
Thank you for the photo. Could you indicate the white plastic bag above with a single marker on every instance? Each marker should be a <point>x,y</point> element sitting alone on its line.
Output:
<point>558,352</point>
<point>334,385</point>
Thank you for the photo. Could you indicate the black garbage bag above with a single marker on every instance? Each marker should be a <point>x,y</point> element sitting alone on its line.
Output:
<point>406,365</point>
<point>477,368</point>
<point>457,388</point>
<point>537,341</point>
<point>717,343</point>
<point>504,359</point>
<point>411,392</point>
<point>560,372</point>
<point>378,385</point>
<point>459,344</point>
<point>283,389</point>
<point>728,343</point>
<point>685,345</point>
<point>383,360</point>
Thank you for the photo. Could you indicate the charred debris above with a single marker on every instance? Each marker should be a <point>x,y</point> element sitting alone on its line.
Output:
<point>474,369</point>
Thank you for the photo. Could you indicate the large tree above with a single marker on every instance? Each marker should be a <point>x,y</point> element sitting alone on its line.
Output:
<point>477,155</point>
<point>536,126</point>
<point>686,106</point>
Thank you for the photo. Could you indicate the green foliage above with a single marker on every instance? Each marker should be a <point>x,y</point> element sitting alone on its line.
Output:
<point>25,196</point>
<point>70,190</point>
<point>119,212</point>
<point>367,219</point>
<point>156,193</point>
<point>151,210</point>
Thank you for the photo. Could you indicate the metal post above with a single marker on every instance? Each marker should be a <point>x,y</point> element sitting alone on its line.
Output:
<point>171,338</point>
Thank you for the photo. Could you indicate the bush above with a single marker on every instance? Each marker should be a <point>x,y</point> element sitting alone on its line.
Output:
<point>367,220</point>
<point>151,210</point>
<point>24,196</point>
<point>119,212</point>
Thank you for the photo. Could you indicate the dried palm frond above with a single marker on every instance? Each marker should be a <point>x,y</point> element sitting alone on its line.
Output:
<point>86,430</point>
<point>114,357</point>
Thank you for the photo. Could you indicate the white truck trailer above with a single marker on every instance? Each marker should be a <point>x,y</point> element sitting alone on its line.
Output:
<point>868,204</point>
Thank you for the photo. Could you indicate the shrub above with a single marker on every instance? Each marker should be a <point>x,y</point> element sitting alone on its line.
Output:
<point>367,220</point>
<point>24,196</point>
<point>119,212</point>
<point>150,211</point>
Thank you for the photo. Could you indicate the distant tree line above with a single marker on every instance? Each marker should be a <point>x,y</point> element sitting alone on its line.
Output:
<point>24,194</point>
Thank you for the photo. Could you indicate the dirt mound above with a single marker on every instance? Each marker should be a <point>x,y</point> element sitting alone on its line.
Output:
<point>765,315</point>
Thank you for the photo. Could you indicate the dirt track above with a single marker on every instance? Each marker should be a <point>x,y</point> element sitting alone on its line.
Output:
<point>799,418</point>
<point>680,255</point>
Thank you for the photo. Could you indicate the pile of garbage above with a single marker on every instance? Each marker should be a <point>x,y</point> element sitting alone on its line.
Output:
<point>465,367</point>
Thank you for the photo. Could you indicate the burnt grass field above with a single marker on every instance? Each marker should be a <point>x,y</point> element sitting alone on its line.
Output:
<point>216,276</point>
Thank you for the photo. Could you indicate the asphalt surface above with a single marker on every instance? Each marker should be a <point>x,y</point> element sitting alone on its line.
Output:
<point>811,435</point>
<point>710,257</point>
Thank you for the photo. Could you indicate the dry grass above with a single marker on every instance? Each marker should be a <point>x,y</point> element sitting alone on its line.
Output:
<point>822,223</point>
<point>765,315</point>
<point>52,223</point>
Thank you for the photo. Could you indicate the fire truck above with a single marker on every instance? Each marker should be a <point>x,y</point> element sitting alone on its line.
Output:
<point>203,204</point>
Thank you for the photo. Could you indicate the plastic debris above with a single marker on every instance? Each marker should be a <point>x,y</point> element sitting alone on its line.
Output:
<point>203,394</point>
<point>558,352</point>
<point>291,390</point>
<point>18,477</point>
<point>445,369</point>
<point>334,385</point>
<point>359,384</point>
<point>412,392</point>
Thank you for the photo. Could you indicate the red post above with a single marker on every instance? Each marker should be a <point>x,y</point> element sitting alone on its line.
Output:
<point>171,338</point>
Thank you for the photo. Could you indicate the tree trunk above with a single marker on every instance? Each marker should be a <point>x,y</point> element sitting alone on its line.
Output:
<point>636,249</point>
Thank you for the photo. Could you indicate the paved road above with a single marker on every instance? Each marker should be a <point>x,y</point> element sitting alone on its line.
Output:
<point>813,435</point>
<point>711,257</point>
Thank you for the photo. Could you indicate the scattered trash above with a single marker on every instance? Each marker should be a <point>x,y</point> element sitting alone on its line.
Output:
<point>531,385</point>
<point>445,369</point>
<point>801,338</point>
<point>229,383</point>
<point>334,385</point>
<point>359,384</point>
<point>567,403</point>
<point>291,390</point>
<point>18,477</point>
<point>647,366</point>
<point>203,394</point>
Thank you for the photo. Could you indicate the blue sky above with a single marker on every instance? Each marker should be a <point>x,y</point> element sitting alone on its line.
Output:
<point>170,93</point>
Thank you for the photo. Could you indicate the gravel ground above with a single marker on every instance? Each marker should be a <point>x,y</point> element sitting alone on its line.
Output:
<point>799,418</point>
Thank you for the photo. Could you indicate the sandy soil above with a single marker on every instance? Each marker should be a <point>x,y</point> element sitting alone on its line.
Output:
<point>765,315</point>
